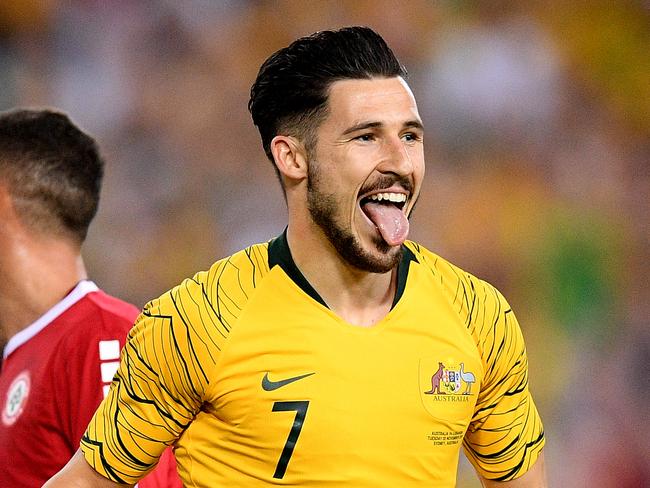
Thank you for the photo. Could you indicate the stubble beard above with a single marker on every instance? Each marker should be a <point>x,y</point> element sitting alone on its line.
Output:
<point>323,210</point>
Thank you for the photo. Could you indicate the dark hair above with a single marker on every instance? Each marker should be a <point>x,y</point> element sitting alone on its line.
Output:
<point>291,89</point>
<point>54,171</point>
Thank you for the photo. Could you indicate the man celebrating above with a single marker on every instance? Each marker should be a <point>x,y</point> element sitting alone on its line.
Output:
<point>339,353</point>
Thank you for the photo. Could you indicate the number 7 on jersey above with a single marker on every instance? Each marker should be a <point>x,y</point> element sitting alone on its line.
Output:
<point>300,407</point>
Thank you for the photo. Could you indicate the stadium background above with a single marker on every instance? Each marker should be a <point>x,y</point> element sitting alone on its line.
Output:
<point>538,125</point>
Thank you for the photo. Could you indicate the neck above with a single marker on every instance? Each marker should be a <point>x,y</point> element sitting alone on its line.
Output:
<point>36,274</point>
<point>359,297</point>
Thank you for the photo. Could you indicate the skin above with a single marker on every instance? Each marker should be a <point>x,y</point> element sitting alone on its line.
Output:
<point>37,270</point>
<point>372,133</point>
<point>78,474</point>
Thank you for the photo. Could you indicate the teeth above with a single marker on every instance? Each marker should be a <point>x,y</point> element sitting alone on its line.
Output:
<point>392,197</point>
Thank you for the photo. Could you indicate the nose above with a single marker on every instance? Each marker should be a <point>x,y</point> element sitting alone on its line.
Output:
<point>396,157</point>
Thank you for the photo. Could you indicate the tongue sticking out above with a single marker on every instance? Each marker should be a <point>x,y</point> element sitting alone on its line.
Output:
<point>390,220</point>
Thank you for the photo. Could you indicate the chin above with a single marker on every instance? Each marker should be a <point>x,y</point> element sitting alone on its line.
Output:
<point>375,257</point>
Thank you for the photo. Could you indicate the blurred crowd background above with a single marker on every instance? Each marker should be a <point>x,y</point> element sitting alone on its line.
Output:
<point>538,180</point>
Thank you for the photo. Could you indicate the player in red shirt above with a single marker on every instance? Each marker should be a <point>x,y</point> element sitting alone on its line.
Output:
<point>60,335</point>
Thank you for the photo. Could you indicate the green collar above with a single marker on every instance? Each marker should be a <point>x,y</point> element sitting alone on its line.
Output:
<point>280,255</point>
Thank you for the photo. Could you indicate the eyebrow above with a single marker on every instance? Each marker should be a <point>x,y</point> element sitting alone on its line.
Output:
<point>415,124</point>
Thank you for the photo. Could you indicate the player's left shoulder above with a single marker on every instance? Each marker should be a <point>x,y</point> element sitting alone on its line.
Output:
<point>459,283</point>
<point>437,266</point>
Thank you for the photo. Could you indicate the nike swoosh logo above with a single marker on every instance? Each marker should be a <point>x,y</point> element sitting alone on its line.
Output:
<point>268,385</point>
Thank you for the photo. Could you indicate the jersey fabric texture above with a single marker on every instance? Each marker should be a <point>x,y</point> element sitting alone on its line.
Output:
<point>256,382</point>
<point>54,374</point>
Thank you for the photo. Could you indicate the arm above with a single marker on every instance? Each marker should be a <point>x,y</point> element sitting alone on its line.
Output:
<point>535,477</point>
<point>506,436</point>
<point>78,474</point>
<point>159,387</point>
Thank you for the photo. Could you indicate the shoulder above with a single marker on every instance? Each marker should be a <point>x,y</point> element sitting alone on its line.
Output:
<point>112,309</point>
<point>93,330</point>
<point>96,316</point>
<point>463,283</point>
<point>189,325</point>
<point>217,294</point>
<point>242,270</point>
<point>478,303</point>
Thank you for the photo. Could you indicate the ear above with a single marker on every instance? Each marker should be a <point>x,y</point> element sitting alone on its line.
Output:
<point>289,156</point>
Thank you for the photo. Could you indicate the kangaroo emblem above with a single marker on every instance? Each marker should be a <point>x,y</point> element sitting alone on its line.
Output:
<point>435,381</point>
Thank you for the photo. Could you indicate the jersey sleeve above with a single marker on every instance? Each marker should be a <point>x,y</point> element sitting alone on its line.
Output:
<point>160,385</point>
<point>505,435</point>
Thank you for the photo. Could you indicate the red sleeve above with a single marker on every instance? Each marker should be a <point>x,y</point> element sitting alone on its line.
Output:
<point>164,474</point>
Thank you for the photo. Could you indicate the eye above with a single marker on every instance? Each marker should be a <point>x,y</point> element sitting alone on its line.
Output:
<point>365,137</point>
<point>411,137</point>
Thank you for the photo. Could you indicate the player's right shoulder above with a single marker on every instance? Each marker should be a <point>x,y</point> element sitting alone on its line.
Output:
<point>214,297</point>
<point>235,278</point>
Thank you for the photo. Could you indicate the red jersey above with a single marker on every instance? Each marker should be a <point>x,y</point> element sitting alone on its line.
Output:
<point>54,374</point>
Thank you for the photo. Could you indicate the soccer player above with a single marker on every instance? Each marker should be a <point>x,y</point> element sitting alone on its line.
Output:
<point>339,353</point>
<point>60,334</point>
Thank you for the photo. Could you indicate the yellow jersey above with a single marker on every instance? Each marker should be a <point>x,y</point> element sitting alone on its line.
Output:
<point>256,382</point>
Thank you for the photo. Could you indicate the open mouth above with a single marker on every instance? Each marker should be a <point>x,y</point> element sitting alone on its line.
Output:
<point>385,199</point>
<point>386,211</point>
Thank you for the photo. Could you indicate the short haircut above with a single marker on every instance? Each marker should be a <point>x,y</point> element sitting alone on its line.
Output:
<point>290,93</point>
<point>53,171</point>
